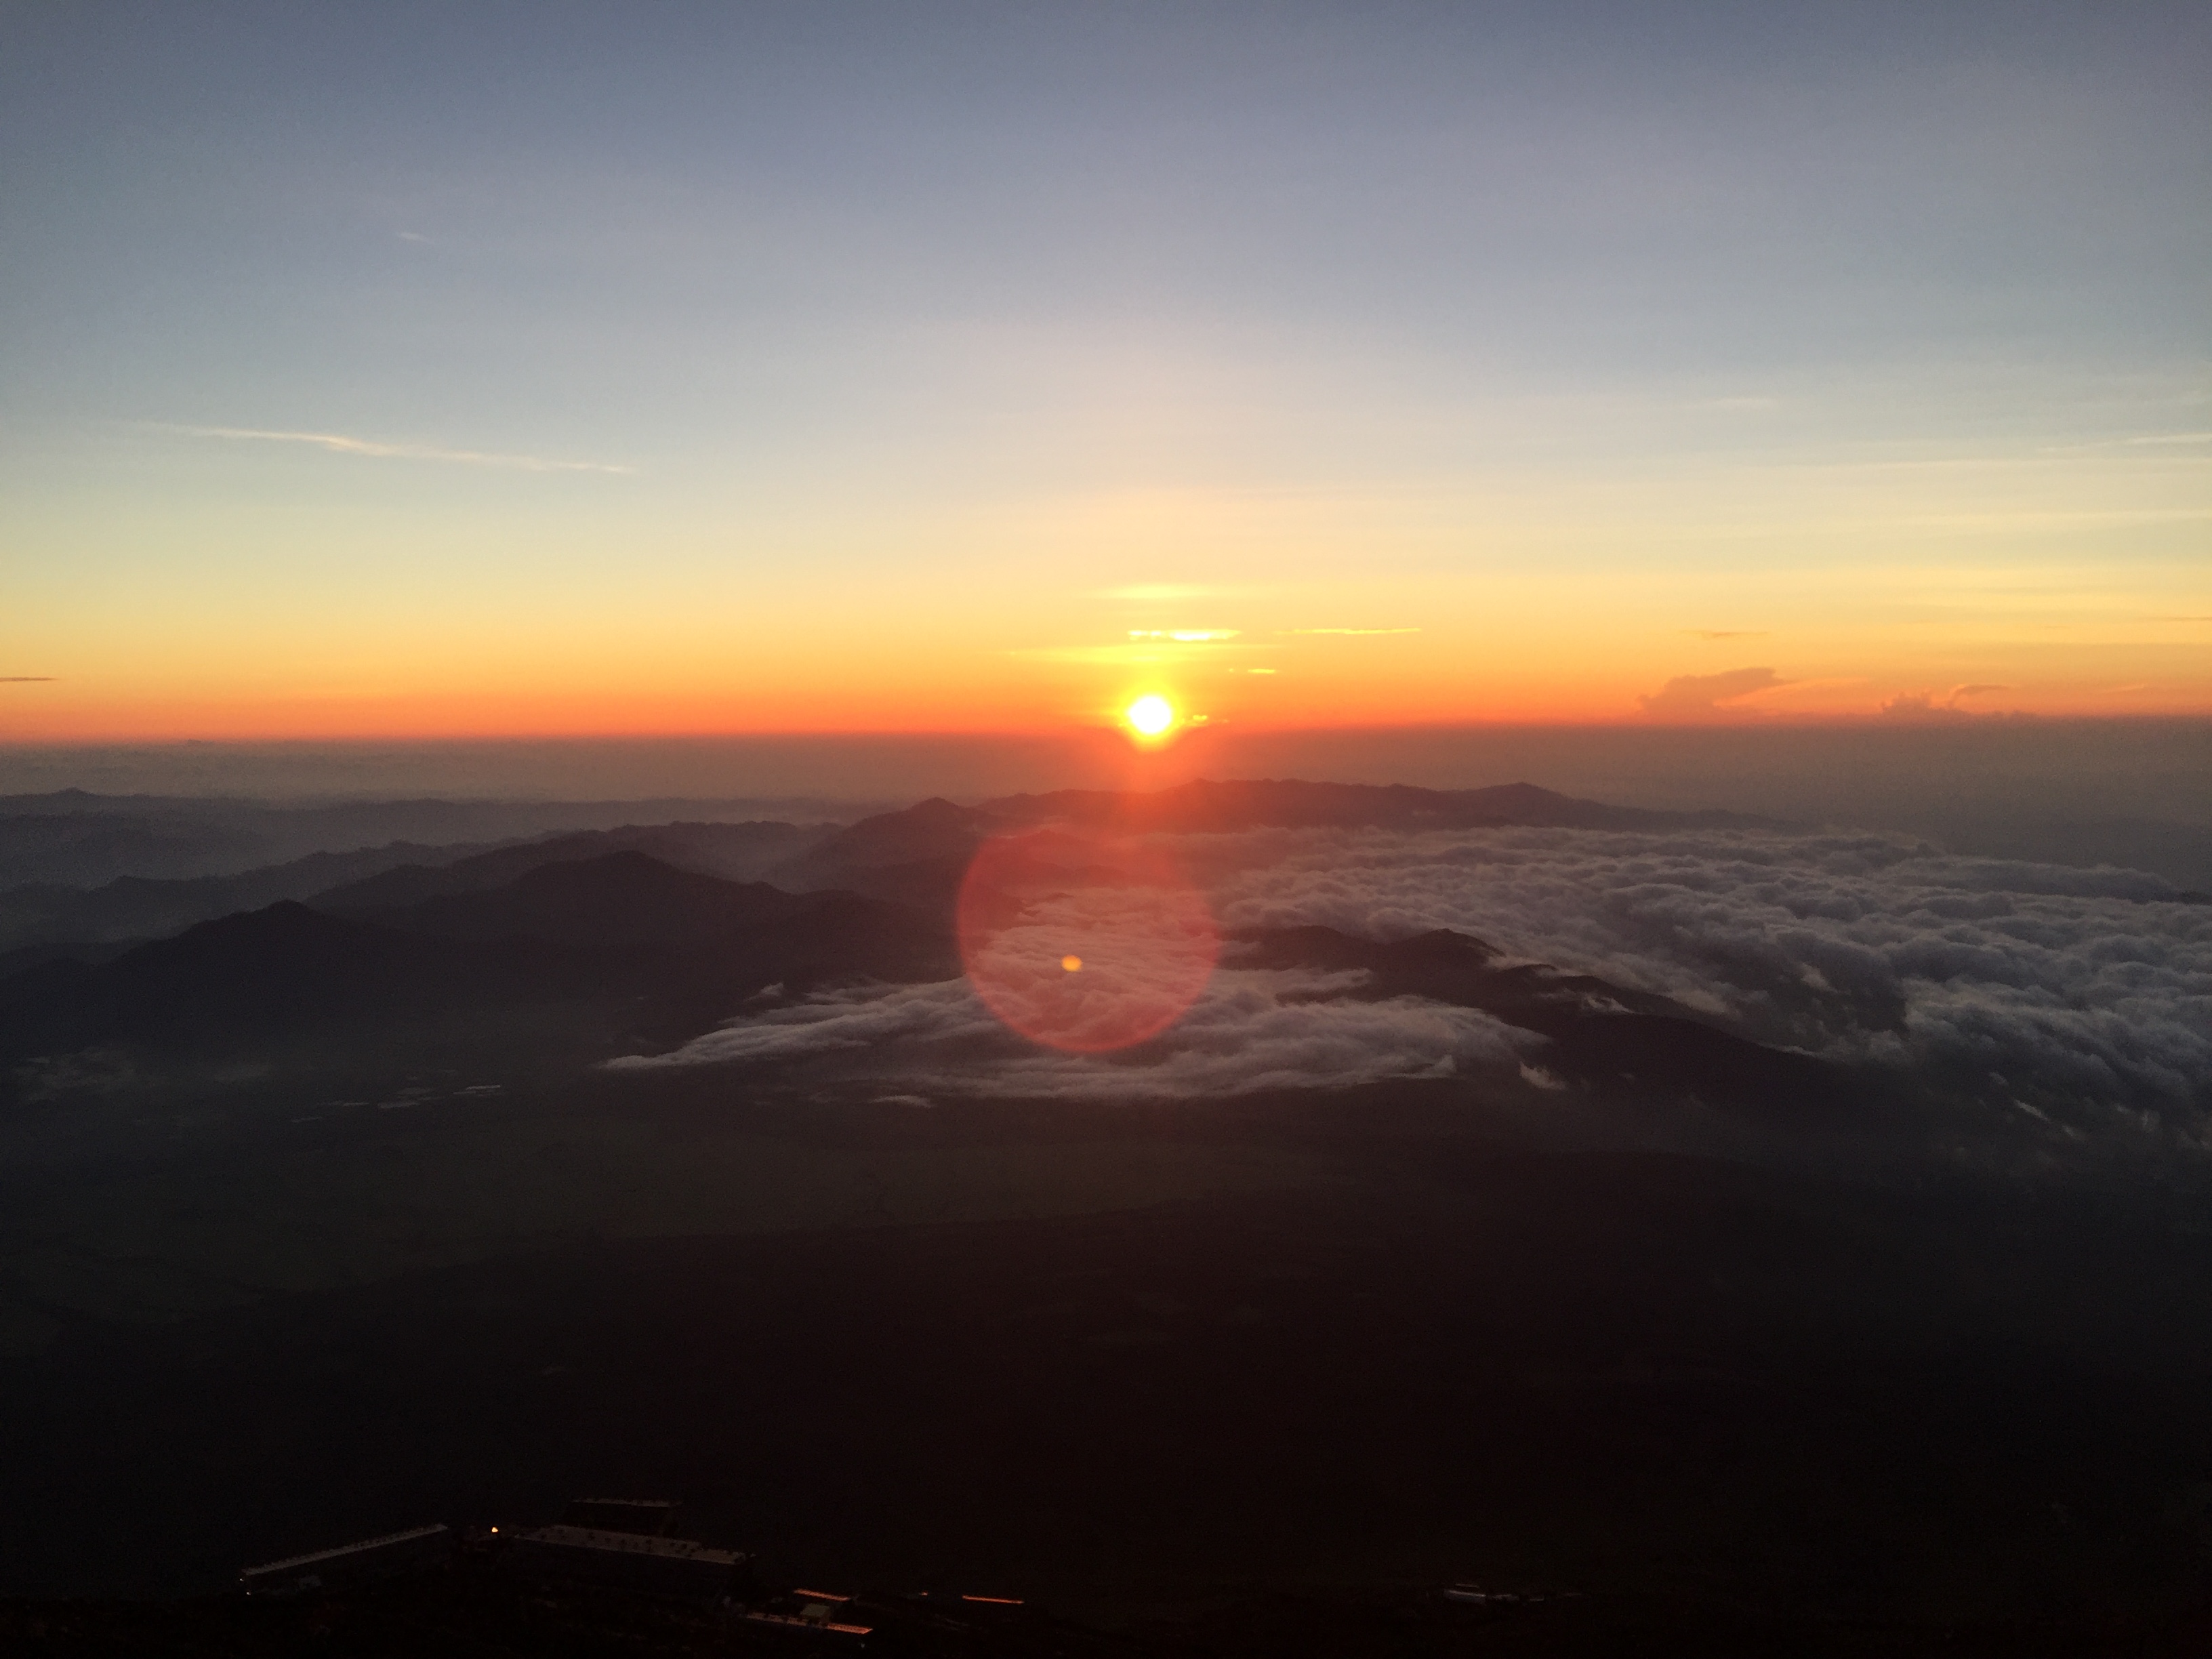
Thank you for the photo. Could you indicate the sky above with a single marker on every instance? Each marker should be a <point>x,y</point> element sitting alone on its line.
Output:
<point>421,371</point>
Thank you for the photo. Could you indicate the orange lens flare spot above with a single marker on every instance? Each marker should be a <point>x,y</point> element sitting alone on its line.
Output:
<point>1150,716</point>
<point>1150,942</point>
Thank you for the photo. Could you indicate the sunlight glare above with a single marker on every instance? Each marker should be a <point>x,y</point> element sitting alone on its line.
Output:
<point>1151,715</point>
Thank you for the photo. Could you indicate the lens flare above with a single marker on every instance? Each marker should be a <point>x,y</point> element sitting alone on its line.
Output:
<point>1150,715</point>
<point>1147,940</point>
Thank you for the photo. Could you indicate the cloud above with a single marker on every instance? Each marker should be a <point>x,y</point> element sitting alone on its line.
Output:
<point>2083,998</point>
<point>412,236</point>
<point>27,679</point>
<point>2087,992</point>
<point>1919,706</point>
<point>1251,1030</point>
<point>339,443</point>
<point>1923,706</point>
<point>1703,695</point>
<point>1185,636</point>
<point>1165,647</point>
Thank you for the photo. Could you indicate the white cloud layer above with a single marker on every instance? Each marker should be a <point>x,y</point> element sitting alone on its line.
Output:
<point>1251,1029</point>
<point>2077,994</point>
<point>2096,982</point>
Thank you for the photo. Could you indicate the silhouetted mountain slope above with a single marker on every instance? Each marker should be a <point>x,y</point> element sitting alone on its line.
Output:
<point>135,906</point>
<point>31,956</point>
<point>268,970</point>
<point>660,948</point>
<point>78,844</point>
<point>619,898</point>
<point>734,851</point>
<point>138,907</point>
<point>1602,1034</point>
<point>580,941</point>
<point>73,838</point>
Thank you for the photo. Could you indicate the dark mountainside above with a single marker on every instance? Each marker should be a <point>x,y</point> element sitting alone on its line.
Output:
<point>735,852</point>
<point>915,855</point>
<point>325,1220</point>
<point>617,898</point>
<point>140,907</point>
<point>134,907</point>
<point>660,953</point>
<point>619,947</point>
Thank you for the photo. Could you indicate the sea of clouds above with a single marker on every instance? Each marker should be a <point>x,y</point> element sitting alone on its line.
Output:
<point>2074,994</point>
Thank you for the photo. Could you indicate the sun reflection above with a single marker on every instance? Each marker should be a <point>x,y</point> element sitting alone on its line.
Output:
<point>1147,936</point>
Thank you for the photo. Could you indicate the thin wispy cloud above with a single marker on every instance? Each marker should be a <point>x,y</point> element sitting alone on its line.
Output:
<point>26,679</point>
<point>2145,441</point>
<point>1185,636</point>
<point>1139,648</point>
<point>340,443</point>
<point>412,236</point>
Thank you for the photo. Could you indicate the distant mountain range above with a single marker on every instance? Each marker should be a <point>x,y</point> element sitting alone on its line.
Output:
<point>73,838</point>
<point>620,944</point>
<point>369,879</point>
<point>912,856</point>
<point>613,941</point>
<point>917,856</point>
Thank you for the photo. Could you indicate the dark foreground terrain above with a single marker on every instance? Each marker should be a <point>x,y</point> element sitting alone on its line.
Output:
<point>474,1613</point>
<point>325,1221</point>
<point>1366,1350</point>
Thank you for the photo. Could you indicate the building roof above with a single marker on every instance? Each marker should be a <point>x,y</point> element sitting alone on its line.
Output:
<point>630,1543</point>
<point>650,1514</point>
<point>377,1543</point>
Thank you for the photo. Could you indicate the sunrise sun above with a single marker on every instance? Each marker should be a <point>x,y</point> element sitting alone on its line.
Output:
<point>1150,716</point>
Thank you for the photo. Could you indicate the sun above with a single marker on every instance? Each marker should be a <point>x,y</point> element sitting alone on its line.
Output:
<point>1150,716</point>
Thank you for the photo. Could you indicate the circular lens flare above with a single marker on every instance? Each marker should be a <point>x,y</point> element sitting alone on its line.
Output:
<point>1150,715</point>
<point>1145,939</point>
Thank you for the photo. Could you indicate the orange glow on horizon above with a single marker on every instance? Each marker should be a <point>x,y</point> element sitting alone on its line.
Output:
<point>1517,650</point>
